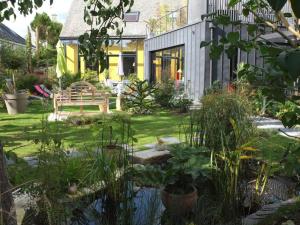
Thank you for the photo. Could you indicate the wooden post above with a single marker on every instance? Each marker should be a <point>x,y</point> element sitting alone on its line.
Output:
<point>8,214</point>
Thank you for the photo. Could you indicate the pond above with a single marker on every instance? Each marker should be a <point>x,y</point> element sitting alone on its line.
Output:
<point>144,207</point>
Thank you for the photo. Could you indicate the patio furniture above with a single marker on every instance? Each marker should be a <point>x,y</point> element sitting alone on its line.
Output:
<point>82,94</point>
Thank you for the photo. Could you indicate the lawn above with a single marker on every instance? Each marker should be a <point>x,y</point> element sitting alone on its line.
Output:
<point>18,132</point>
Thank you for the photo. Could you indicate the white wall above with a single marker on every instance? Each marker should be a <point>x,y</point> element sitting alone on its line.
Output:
<point>196,9</point>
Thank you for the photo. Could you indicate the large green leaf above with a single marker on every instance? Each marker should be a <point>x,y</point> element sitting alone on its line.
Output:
<point>277,5</point>
<point>296,7</point>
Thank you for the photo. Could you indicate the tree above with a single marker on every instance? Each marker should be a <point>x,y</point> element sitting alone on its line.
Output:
<point>9,8</point>
<point>53,32</point>
<point>282,67</point>
<point>40,26</point>
<point>29,50</point>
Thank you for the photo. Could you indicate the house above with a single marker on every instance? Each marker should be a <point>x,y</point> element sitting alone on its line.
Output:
<point>8,36</point>
<point>169,46</point>
<point>131,44</point>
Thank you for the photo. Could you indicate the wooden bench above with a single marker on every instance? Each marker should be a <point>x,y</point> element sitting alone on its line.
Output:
<point>82,94</point>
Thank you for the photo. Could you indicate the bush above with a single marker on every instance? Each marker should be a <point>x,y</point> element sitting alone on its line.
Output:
<point>68,78</point>
<point>139,97</point>
<point>164,93</point>
<point>13,58</point>
<point>26,82</point>
<point>181,103</point>
<point>214,124</point>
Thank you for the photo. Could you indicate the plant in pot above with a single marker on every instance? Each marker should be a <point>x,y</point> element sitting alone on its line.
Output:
<point>177,178</point>
<point>13,61</point>
<point>15,100</point>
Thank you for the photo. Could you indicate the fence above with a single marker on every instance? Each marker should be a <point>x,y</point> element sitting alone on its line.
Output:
<point>171,21</point>
<point>220,7</point>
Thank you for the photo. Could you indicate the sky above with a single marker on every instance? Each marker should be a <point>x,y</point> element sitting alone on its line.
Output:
<point>59,8</point>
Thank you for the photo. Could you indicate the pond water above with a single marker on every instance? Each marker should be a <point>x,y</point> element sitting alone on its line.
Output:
<point>143,208</point>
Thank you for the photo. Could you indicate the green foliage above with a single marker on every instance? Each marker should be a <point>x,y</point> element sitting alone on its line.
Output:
<point>53,32</point>
<point>212,126</point>
<point>68,78</point>
<point>101,17</point>
<point>281,68</point>
<point>181,103</point>
<point>26,82</point>
<point>164,93</point>
<point>90,76</point>
<point>12,58</point>
<point>11,7</point>
<point>139,97</point>
<point>289,113</point>
<point>29,50</point>
<point>47,57</point>
<point>40,24</point>
<point>181,171</point>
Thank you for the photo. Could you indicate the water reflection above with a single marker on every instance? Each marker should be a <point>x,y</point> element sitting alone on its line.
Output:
<point>143,208</point>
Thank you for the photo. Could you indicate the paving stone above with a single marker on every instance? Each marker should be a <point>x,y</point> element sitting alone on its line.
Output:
<point>150,156</point>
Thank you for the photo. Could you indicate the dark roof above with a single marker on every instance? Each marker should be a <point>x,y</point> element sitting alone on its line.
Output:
<point>11,36</point>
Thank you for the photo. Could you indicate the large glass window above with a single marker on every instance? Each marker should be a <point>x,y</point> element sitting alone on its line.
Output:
<point>168,64</point>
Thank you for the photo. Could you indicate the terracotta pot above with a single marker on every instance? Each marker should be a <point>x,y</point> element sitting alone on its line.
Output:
<point>16,103</point>
<point>179,204</point>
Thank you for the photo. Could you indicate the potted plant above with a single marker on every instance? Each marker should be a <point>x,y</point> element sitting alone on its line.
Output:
<point>13,61</point>
<point>15,101</point>
<point>177,179</point>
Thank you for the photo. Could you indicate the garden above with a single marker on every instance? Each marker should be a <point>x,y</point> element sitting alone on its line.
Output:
<point>148,156</point>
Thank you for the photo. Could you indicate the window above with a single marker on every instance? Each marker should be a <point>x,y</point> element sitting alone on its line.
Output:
<point>132,17</point>
<point>168,64</point>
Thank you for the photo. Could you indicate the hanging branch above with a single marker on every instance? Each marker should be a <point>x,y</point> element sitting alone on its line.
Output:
<point>103,17</point>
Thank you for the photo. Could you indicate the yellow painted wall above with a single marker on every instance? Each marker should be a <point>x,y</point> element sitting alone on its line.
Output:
<point>72,58</point>
<point>140,60</point>
<point>72,61</point>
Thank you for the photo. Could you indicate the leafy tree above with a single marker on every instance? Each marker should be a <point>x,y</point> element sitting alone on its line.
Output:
<point>282,67</point>
<point>53,32</point>
<point>9,8</point>
<point>29,50</point>
<point>40,26</point>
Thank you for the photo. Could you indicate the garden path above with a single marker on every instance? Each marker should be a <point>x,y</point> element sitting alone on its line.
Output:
<point>274,124</point>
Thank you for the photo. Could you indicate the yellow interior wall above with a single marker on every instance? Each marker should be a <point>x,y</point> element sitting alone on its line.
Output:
<point>72,58</point>
<point>140,60</point>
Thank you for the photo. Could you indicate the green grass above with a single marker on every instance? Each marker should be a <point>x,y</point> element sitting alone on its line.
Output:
<point>18,131</point>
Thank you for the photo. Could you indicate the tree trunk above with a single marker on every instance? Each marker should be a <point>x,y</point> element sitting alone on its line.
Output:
<point>37,37</point>
<point>7,207</point>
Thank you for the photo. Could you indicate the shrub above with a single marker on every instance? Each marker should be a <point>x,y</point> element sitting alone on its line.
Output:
<point>13,58</point>
<point>90,76</point>
<point>68,78</point>
<point>212,125</point>
<point>139,97</point>
<point>164,93</point>
<point>26,82</point>
<point>181,103</point>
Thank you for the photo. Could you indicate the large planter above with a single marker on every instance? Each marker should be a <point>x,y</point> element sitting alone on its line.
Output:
<point>180,204</point>
<point>16,103</point>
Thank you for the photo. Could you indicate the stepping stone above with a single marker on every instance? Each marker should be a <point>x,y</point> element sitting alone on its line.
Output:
<point>151,156</point>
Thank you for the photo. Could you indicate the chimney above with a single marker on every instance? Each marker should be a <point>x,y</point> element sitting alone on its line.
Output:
<point>196,8</point>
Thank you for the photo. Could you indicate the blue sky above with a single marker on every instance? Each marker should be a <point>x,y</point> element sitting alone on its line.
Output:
<point>59,7</point>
